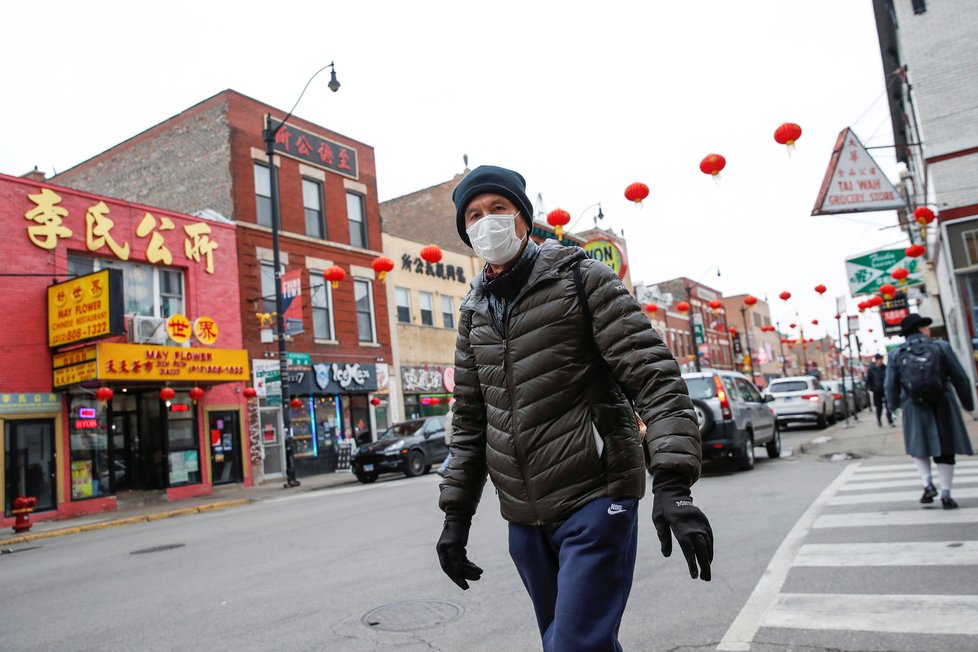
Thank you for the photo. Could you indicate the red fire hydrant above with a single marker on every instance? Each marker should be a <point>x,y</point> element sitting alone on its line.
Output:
<point>23,506</point>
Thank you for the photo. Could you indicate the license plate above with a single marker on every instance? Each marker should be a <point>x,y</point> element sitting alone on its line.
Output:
<point>368,467</point>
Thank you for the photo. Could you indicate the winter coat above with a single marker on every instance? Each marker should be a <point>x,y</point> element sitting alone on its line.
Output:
<point>933,430</point>
<point>536,386</point>
<point>876,378</point>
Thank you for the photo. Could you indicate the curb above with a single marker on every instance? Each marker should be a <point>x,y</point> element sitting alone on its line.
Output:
<point>146,518</point>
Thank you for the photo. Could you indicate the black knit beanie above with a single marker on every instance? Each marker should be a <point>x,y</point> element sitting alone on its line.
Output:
<point>490,178</point>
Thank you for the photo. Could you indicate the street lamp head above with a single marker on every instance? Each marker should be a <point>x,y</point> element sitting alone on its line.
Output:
<point>333,84</point>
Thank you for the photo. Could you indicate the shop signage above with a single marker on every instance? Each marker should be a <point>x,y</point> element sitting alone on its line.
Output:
<point>86,308</point>
<point>297,359</point>
<point>308,147</point>
<point>544,233</point>
<point>438,270</point>
<point>139,363</point>
<point>49,228</point>
<point>78,373</point>
<point>430,378</point>
<point>76,356</point>
<point>178,327</point>
<point>292,301</point>
<point>268,381</point>
<point>336,378</point>
<point>205,330</point>
<point>867,272</point>
<point>853,182</point>
<point>607,252</point>
<point>892,313</point>
<point>22,403</point>
<point>448,378</point>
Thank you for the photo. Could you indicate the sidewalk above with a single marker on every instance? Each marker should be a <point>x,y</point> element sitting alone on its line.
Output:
<point>223,497</point>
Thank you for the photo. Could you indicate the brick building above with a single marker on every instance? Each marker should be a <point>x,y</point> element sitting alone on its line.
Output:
<point>102,295</point>
<point>211,156</point>
<point>714,346</point>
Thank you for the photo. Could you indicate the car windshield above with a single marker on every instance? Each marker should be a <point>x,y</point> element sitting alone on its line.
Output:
<point>701,387</point>
<point>403,429</point>
<point>792,386</point>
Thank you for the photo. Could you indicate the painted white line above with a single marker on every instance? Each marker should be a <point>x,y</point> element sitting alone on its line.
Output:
<point>905,517</point>
<point>744,627</point>
<point>909,473</point>
<point>959,479</point>
<point>962,462</point>
<point>898,497</point>
<point>899,614</point>
<point>904,553</point>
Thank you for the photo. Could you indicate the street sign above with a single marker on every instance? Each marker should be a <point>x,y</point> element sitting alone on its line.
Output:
<point>892,313</point>
<point>868,271</point>
<point>853,182</point>
<point>853,324</point>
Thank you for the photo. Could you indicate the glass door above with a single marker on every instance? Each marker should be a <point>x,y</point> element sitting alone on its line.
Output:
<point>124,442</point>
<point>225,447</point>
<point>29,461</point>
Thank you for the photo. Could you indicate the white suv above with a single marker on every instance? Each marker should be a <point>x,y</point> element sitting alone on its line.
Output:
<point>801,399</point>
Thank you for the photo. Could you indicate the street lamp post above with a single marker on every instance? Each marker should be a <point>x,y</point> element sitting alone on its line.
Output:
<point>268,134</point>
<point>692,326</point>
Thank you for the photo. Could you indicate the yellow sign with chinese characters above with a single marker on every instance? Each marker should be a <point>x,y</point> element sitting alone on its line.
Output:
<point>178,327</point>
<point>205,329</point>
<point>75,374</point>
<point>136,362</point>
<point>75,356</point>
<point>85,308</point>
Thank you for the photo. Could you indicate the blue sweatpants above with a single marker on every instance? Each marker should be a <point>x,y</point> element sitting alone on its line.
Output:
<point>579,574</point>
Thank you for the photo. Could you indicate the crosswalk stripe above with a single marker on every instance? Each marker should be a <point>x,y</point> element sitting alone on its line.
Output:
<point>909,473</point>
<point>959,480</point>
<point>896,518</point>
<point>873,468</point>
<point>904,614</point>
<point>904,553</point>
<point>897,497</point>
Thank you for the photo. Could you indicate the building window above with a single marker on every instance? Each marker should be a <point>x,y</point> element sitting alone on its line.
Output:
<point>263,195</point>
<point>171,292</point>
<point>268,288</point>
<point>322,306</point>
<point>448,312</point>
<point>426,303</point>
<point>149,291</point>
<point>358,225</point>
<point>971,246</point>
<point>365,310</point>
<point>403,298</point>
<point>312,203</point>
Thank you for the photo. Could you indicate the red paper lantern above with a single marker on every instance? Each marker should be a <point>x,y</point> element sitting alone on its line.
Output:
<point>787,134</point>
<point>713,164</point>
<point>375,401</point>
<point>104,394</point>
<point>814,322</point>
<point>875,301</point>
<point>295,404</point>
<point>249,393</point>
<point>636,192</point>
<point>888,290</point>
<point>651,308</point>
<point>869,330</point>
<point>167,394</point>
<point>196,393</point>
<point>915,251</point>
<point>923,215</point>
<point>558,218</point>
<point>683,307</point>
<point>792,325</point>
<point>820,288</point>
<point>382,265</point>
<point>334,275</point>
<point>750,300</point>
<point>715,305</point>
<point>785,296</point>
<point>732,330</point>
<point>431,254</point>
<point>900,273</point>
<point>838,316</point>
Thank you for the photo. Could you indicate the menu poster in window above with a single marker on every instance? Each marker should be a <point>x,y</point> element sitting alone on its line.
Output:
<point>190,461</point>
<point>178,469</point>
<point>81,479</point>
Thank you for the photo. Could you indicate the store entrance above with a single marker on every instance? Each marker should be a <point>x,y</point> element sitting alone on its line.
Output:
<point>225,447</point>
<point>124,440</point>
<point>29,462</point>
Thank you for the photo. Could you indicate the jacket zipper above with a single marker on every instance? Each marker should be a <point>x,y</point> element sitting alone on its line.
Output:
<point>516,438</point>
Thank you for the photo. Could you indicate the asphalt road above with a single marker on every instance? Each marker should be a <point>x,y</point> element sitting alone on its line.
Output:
<point>304,572</point>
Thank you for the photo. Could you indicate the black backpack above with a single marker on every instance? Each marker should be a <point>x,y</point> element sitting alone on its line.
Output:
<point>922,374</point>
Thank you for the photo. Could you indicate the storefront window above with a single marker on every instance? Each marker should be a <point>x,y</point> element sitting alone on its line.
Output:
<point>183,451</point>
<point>89,448</point>
<point>303,430</point>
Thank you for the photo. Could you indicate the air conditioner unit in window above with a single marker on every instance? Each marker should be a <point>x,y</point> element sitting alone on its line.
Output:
<point>147,330</point>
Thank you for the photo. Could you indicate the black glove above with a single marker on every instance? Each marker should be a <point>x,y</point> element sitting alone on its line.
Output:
<point>672,507</point>
<point>451,550</point>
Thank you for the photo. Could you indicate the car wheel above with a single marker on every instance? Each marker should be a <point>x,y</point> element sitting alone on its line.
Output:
<point>774,446</point>
<point>832,418</point>
<point>704,416</point>
<point>745,462</point>
<point>820,422</point>
<point>415,464</point>
<point>367,478</point>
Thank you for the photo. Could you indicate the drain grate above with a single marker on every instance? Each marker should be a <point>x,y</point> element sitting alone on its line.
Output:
<point>411,615</point>
<point>10,551</point>
<point>168,546</point>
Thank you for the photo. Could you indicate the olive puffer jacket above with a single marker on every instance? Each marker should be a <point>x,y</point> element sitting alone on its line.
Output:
<point>531,404</point>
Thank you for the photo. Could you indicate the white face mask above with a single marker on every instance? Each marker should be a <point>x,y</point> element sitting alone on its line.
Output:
<point>494,238</point>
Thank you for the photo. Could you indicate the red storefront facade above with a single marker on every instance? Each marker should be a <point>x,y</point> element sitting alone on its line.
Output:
<point>104,294</point>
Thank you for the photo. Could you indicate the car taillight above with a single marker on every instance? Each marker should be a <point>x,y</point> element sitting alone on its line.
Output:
<point>811,397</point>
<point>837,397</point>
<point>722,395</point>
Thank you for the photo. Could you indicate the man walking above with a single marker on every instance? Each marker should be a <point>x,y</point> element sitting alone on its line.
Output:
<point>917,380</point>
<point>875,380</point>
<point>554,359</point>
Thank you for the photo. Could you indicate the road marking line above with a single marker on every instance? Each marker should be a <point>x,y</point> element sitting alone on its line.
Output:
<point>897,497</point>
<point>909,482</point>
<point>871,468</point>
<point>744,627</point>
<point>907,517</point>
<point>904,553</point>
<point>909,473</point>
<point>900,614</point>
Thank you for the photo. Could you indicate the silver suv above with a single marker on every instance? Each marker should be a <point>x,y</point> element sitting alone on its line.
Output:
<point>733,416</point>
<point>801,399</point>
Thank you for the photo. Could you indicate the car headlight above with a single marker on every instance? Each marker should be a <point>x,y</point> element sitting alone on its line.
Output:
<point>395,446</point>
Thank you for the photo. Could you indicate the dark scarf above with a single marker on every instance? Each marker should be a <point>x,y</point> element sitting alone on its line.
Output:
<point>502,288</point>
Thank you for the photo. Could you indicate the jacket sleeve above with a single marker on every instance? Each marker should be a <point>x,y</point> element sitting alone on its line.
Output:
<point>891,384</point>
<point>465,476</point>
<point>957,376</point>
<point>645,368</point>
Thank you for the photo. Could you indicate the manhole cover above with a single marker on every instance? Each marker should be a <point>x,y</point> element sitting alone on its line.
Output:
<point>168,546</point>
<point>411,615</point>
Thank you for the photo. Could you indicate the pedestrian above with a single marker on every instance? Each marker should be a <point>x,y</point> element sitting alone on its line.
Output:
<point>875,380</point>
<point>448,437</point>
<point>917,380</point>
<point>553,360</point>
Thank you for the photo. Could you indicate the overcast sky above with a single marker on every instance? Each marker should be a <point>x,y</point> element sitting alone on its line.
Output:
<point>581,97</point>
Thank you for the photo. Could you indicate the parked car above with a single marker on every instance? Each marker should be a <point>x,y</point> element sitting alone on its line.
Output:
<point>801,399</point>
<point>861,392</point>
<point>733,416</point>
<point>843,406</point>
<point>408,447</point>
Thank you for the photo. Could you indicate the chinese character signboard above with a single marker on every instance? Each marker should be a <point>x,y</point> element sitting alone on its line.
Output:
<point>319,151</point>
<point>438,270</point>
<point>138,363</point>
<point>86,308</point>
<point>428,379</point>
<point>24,403</point>
<point>854,183</point>
<point>868,271</point>
<point>607,252</point>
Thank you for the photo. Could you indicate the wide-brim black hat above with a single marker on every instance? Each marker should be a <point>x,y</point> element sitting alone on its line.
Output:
<point>913,322</point>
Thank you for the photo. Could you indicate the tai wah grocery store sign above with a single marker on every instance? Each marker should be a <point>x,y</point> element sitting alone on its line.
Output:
<point>139,363</point>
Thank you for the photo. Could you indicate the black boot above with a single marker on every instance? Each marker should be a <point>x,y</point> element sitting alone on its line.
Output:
<point>930,491</point>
